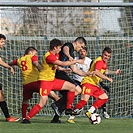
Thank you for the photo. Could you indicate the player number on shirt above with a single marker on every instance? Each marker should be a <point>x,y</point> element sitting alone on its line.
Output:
<point>24,67</point>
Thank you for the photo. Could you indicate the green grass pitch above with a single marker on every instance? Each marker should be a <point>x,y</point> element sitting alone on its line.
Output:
<point>41,124</point>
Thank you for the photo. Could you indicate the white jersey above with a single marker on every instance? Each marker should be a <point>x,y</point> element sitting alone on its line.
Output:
<point>84,67</point>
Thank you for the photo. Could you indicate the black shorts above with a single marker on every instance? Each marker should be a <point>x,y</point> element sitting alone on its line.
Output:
<point>77,82</point>
<point>64,76</point>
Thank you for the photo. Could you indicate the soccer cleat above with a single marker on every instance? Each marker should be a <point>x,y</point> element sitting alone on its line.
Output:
<point>78,111</point>
<point>58,121</point>
<point>55,108</point>
<point>88,114</point>
<point>11,119</point>
<point>70,112</point>
<point>71,121</point>
<point>25,121</point>
<point>106,115</point>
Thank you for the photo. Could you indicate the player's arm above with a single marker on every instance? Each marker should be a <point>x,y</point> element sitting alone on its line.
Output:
<point>66,52</point>
<point>66,63</point>
<point>98,67</point>
<point>2,63</point>
<point>37,65</point>
<point>53,60</point>
<point>35,62</point>
<point>118,71</point>
<point>80,72</point>
<point>14,62</point>
<point>102,76</point>
<point>67,70</point>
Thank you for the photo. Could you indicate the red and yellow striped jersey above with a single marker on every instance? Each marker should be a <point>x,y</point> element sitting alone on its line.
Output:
<point>28,70</point>
<point>48,69</point>
<point>98,64</point>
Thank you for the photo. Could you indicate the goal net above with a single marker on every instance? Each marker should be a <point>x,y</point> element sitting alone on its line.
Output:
<point>101,26</point>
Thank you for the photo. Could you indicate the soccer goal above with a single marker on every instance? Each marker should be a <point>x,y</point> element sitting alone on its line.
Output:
<point>102,24</point>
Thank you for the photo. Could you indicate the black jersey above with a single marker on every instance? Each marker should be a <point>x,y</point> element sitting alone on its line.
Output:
<point>63,57</point>
<point>61,74</point>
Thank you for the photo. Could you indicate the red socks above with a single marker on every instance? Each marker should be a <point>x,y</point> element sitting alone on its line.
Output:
<point>24,110</point>
<point>98,103</point>
<point>70,99</point>
<point>80,104</point>
<point>33,111</point>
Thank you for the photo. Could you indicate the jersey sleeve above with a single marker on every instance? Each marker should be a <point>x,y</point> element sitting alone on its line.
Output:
<point>15,62</point>
<point>99,65</point>
<point>34,58</point>
<point>71,49</point>
<point>51,59</point>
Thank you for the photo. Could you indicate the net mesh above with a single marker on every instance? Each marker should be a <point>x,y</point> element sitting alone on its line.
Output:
<point>101,26</point>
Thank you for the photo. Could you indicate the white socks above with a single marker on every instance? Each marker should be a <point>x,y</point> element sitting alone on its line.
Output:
<point>92,109</point>
<point>71,117</point>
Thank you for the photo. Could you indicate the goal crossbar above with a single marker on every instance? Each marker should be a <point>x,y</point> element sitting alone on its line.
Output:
<point>66,4</point>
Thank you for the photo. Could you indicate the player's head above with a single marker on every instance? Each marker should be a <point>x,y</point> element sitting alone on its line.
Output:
<point>83,53</point>
<point>79,43</point>
<point>31,50</point>
<point>106,54</point>
<point>55,44</point>
<point>2,40</point>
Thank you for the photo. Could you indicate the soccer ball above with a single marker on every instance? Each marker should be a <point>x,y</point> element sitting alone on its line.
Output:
<point>95,118</point>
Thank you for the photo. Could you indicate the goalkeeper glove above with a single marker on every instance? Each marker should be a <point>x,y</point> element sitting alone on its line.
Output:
<point>105,87</point>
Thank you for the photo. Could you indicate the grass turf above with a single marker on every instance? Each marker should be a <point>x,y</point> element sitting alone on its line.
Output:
<point>42,125</point>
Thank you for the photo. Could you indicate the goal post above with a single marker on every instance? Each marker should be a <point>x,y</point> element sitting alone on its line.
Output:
<point>102,24</point>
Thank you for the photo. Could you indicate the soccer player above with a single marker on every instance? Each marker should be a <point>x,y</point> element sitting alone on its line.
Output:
<point>48,82</point>
<point>77,78</point>
<point>3,103</point>
<point>67,54</point>
<point>85,66</point>
<point>90,84</point>
<point>30,68</point>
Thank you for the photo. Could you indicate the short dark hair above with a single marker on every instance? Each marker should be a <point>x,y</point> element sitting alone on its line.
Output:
<point>80,39</point>
<point>85,48</point>
<point>107,49</point>
<point>2,36</point>
<point>30,49</point>
<point>55,43</point>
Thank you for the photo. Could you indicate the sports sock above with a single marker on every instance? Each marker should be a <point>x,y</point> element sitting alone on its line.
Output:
<point>4,109</point>
<point>70,99</point>
<point>92,109</point>
<point>80,104</point>
<point>62,108</point>
<point>61,101</point>
<point>24,110</point>
<point>98,103</point>
<point>71,117</point>
<point>104,107</point>
<point>33,111</point>
<point>56,118</point>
